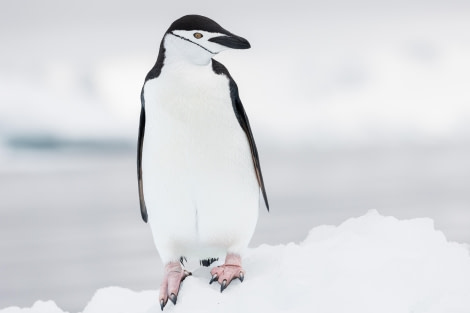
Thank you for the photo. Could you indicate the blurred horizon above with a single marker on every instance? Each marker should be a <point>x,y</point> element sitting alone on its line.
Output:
<point>354,106</point>
<point>362,73</point>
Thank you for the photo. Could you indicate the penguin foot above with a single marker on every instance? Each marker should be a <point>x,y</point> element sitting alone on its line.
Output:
<point>232,269</point>
<point>174,275</point>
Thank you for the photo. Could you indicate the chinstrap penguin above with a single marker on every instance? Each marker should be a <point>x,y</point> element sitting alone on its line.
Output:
<point>199,174</point>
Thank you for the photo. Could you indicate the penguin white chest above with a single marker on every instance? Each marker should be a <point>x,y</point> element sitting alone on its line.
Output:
<point>199,180</point>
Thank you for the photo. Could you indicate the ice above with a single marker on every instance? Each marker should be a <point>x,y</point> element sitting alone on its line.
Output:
<point>372,263</point>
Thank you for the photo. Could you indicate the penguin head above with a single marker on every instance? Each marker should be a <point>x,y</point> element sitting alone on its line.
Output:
<point>197,39</point>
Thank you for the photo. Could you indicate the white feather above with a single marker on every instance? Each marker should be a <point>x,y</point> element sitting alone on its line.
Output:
<point>200,186</point>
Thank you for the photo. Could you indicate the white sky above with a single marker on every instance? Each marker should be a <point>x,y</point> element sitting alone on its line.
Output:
<point>318,72</point>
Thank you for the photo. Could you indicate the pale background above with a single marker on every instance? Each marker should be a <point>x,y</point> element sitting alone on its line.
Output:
<point>354,105</point>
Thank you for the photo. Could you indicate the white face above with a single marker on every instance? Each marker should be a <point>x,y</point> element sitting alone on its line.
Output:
<point>192,45</point>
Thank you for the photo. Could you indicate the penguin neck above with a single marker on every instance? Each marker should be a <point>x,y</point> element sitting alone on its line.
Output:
<point>178,51</point>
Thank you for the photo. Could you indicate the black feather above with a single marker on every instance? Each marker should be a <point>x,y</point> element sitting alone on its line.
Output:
<point>197,22</point>
<point>152,74</point>
<point>242,118</point>
<point>208,262</point>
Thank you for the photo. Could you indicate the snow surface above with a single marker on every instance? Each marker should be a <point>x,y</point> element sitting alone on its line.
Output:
<point>368,264</point>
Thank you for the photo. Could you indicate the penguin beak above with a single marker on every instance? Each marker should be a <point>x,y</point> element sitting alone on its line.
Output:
<point>231,41</point>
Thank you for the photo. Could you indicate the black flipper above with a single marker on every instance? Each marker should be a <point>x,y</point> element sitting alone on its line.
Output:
<point>153,73</point>
<point>240,113</point>
<point>140,145</point>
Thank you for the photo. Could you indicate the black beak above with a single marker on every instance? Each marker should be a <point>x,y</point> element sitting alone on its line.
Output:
<point>231,41</point>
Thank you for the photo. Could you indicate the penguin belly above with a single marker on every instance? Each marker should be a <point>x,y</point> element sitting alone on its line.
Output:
<point>200,187</point>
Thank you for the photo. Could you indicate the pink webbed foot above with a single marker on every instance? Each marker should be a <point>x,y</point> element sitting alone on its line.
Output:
<point>232,269</point>
<point>174,275</point>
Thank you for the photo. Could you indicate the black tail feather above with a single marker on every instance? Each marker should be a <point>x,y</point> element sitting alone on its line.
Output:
<point>208,262</point>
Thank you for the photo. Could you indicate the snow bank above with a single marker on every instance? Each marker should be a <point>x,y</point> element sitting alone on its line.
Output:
<point>38,307</point>
<point>367,264</point>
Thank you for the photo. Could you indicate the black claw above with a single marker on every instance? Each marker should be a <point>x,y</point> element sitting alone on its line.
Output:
<point>162,304</point>
<point>173,298</point>
<point>241,276</point>
<point>186,274</point>
<point>223,285</point>
<point>213,279</point>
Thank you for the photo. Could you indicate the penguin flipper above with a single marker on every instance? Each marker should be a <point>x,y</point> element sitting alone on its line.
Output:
<point>153,73</point>
<point>140,144</point>
<point>242,118</point>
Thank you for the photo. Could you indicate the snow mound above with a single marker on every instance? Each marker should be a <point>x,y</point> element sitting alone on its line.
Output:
<point>38,307</point>
<point>367,264</point>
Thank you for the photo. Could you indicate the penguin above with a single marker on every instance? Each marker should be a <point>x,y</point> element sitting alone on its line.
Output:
<point>199,174</point>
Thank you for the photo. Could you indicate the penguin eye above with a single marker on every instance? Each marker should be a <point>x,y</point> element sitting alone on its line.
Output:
<point>197,35</point>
